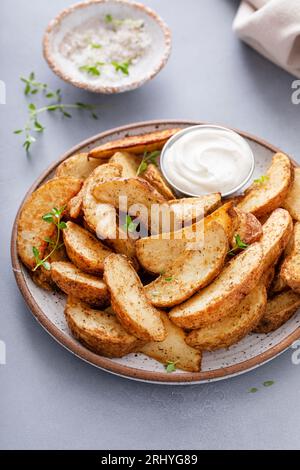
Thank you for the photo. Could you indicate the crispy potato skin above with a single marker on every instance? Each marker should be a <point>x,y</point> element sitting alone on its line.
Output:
<point>193,270</point>
<point>77,166</point>
<point>292,201</point>
<point>32,229</point>
<point>216,301</point>
<point>129,300</point>
<point>278,311</point>
<point>153,175</point>
<point>262,198</point>
<point>137,144</point>
<point>84,249</point>
<point>74,282</point>
<point>235,326</point>
<point>290,269</point>
<point>173,348</point>
<point>99,331</point>
<point>248,227</point>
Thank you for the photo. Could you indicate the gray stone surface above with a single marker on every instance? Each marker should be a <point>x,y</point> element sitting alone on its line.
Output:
<point>49,398</point>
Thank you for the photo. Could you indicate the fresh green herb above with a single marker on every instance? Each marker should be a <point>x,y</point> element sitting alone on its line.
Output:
<point>92,69</point>
<point>169,279</point>
<point>52,217</point>
<point>268,383</point>
<point>262,179</point>
<point>253,390</point>
<point>239,245</point>
<point>170,366</point>
<point>121,66</point>
<point>33,124</point>
<point>129,225</point>
<point>147,158</point>
<point>108,18</point>
<point>95,45</point>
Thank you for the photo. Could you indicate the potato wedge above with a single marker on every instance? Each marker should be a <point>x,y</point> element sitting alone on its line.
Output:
<point>77,166</point>
<point>248,227</point>
<point>290,269</point>
<point>98,330</point>
<point>128,161</point>
<point>268,277</point>
<point>158,252</point>
<point>263,198</point>
<point>193,270</point>
<point>278,311</point>
<point>154,176</point>
<point>235,326</point>
<point>292,201</point>
<point>276,234</point>
<point>216,301</point>
<point>84,250</point>
<point>32,229</point>
<point>42,277</point>
<point>173,348</point>
<point>136,144</point>
<point>129,301</point>
<point>74,282</point>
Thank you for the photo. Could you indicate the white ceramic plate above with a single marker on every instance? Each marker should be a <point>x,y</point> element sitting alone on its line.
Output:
<point>47,307</point>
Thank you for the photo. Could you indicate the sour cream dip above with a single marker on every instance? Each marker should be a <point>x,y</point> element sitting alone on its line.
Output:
<point>204,159</point>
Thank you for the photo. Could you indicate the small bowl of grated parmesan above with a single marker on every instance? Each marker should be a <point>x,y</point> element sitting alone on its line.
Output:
<point>107,46</point>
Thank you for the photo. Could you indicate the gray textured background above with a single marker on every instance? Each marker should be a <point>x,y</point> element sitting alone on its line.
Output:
<point>49,398</point>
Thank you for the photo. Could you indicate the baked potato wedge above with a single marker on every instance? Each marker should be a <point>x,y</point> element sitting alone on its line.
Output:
<point>224,294</point>
<point>77,166</point>
<point>247,227</point>
<point>193,270</point>
<point>153,175</point>
<point>278,311</point>
<point>264,197</point>
<point>42,277</point>
<point>129,300</point>
<point>32,229</point>
<point>84,249</point>
<point>136,144</point>
<point>100,331</point>
<point>290,269</point>
<point>74,282</point>
<point>292,201</point>
<point>173,349</point>
<point>235,326</point>
<point>128,161</point>
<point>158,252</point>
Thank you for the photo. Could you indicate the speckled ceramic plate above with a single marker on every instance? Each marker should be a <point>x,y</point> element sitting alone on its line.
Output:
<point>251,352</point>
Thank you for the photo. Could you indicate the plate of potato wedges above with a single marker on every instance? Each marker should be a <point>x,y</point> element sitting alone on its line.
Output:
<point>162,306</point>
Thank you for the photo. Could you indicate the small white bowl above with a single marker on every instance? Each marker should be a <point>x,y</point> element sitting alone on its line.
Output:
<point>79,13</point>
<point>180,134</point>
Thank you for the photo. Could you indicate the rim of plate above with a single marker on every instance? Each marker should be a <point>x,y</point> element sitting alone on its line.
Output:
<point>48,54</point>
<point>105,363</point>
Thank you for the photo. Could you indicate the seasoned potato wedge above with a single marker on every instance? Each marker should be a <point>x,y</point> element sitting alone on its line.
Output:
<point>158,252</point>
<point>216,301</point>
<point>292,201</point>
<point>42,277</point>
<point>263,198</point>
<point>268,277</point>
<point>84,250</point>
<point>290,269</point>
<point>129,163</point>
<point>100,331</point>
<point>235,326</point>
<point>193,270</point>
<point>153,175</point>
<point>77,166</point>
<point>32,229</point>
<point>74,282</point>
<point>173,348</point>
<point>248,227</point>
<point>137,191</point>
<point>276,234</point>
<point>136,144</point>
<point>278,311</point>
<point>129,300</point>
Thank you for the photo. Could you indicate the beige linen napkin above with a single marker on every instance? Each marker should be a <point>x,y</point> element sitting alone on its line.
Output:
<point>272,27</point>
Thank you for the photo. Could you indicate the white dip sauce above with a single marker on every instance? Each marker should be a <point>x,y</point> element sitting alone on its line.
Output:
<point>207,159</point>
<point>106,50</point>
